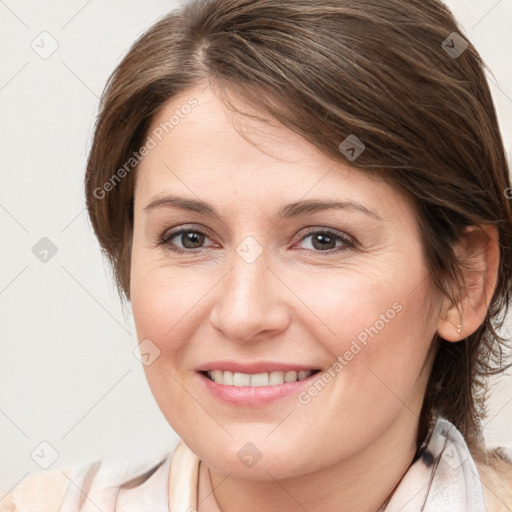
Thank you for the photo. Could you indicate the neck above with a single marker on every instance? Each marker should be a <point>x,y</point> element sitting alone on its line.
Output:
<point>362,482</point>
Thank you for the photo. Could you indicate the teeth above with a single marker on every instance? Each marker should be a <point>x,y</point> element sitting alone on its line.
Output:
<point>260,379</point>
<point>257,379</point>
<point>241,379</point>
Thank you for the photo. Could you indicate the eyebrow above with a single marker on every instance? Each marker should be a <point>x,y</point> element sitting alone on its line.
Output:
<point>290,210</point>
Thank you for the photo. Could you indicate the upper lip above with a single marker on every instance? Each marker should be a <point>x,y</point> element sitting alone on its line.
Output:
<point>253,367</point>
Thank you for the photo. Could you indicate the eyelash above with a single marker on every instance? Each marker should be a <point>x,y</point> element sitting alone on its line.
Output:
<point>348,243</point>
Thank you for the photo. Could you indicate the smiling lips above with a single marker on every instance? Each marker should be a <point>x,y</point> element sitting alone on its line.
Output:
<point>255,374</point>
<point>252,383</point>
<point>248,393</point>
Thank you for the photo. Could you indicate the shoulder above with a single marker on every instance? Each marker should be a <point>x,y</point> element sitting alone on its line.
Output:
<point>42,492</point>
<point>495,470</point>
<point>106,480</point>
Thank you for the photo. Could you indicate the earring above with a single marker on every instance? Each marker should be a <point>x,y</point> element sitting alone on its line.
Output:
<point>458,328</point>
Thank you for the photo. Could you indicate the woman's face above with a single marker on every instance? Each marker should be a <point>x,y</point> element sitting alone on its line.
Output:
<point>272,278</point>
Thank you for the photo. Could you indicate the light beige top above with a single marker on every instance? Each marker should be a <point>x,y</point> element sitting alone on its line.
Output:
<point>179,481</point>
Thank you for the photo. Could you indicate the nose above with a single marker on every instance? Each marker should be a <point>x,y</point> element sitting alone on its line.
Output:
<point>250,302</point>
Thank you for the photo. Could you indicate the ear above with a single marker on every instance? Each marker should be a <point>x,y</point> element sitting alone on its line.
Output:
<point>479,252</point>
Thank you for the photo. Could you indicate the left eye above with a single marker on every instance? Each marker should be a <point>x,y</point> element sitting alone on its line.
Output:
<point>325,241</point>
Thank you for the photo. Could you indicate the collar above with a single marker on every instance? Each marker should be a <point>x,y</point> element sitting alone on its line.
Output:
<point>443,477</point>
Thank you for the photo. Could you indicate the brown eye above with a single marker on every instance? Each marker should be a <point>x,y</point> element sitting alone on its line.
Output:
<point>191,239</point>
<point>323,241</point>
<point>327,241</point>
<point>184,240</point>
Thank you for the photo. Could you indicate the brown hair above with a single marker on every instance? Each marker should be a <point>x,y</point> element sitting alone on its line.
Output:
<point>384,71</point>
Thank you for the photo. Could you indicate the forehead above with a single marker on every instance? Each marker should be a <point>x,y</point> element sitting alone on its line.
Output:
<point>203,151</point>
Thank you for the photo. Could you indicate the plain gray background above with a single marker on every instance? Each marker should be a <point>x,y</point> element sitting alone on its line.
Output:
<point>68,375</point>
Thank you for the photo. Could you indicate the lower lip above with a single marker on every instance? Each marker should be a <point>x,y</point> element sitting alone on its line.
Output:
<point>255,396</point>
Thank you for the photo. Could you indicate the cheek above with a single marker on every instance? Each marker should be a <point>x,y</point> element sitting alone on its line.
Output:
<point>362,303</point>
<point>161,308</point>
<point>162,299</point>
<point>381,367</point>
<point>161,317</point>
<point>373,325</point>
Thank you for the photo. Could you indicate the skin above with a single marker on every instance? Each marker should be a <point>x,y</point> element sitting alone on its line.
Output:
<point>294,303</point>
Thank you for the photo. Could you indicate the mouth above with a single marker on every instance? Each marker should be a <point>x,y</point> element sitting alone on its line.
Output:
<point>254,390</point>
<point>265,379</point>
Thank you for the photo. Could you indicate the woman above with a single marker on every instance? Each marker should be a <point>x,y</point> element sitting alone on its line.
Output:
<point>306,205</point>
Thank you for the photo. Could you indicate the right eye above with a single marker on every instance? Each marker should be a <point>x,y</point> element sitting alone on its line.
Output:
<point>190,239</point>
